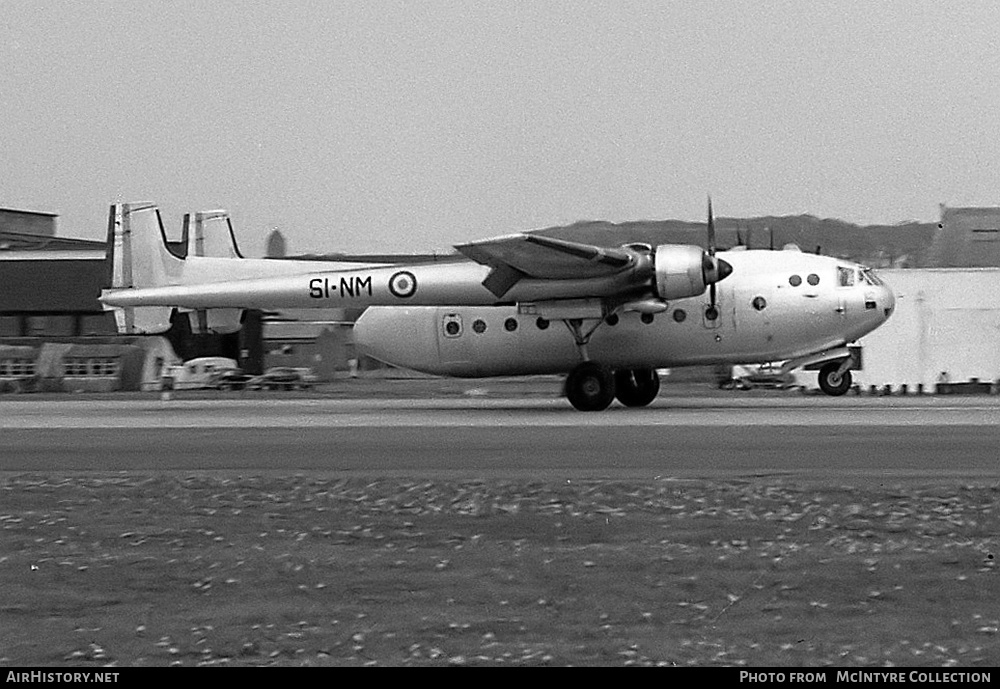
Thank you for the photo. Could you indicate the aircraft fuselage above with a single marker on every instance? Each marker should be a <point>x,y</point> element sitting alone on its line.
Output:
<point>524,303</point>
<point>776,305</point>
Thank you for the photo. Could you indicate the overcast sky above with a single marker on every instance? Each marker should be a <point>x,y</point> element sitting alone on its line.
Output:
<point>409,126</point>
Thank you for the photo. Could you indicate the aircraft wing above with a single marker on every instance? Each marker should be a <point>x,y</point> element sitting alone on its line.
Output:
<point>517,256</point>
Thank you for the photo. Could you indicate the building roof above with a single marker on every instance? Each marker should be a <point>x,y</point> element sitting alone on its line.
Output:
<point>966,237</point>
<point>21,211</point>
<point>25,241</point>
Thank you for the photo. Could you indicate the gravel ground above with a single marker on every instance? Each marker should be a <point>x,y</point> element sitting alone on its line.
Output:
<point>213,569</point>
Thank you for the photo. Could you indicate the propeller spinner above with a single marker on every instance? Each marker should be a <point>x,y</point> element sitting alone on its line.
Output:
<point>715,269</point>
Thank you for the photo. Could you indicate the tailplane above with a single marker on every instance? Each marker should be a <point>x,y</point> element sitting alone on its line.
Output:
<point>140,258</point>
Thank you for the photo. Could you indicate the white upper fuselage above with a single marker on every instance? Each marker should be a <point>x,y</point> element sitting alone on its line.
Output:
<point>775,305</point>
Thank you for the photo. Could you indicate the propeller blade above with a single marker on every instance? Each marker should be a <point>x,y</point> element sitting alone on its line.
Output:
<point>713,269</point>
<point>711,229</point>
<point>711,252</point>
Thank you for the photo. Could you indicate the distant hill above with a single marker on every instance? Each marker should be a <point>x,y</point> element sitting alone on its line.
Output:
<point>902,245</point>
<point>905,245</point>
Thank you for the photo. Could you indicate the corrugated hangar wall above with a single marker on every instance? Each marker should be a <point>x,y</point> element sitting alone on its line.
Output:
<point>946,327</point>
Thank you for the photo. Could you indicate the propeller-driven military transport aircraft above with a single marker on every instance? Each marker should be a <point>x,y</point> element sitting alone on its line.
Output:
<point>489,311</point>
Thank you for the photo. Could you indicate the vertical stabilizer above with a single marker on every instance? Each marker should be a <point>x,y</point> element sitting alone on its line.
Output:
<point>140,258</point>
<point>210,234</point>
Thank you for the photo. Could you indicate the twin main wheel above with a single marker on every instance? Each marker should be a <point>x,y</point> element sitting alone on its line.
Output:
<point>592,386</point>
<point>637,387</point>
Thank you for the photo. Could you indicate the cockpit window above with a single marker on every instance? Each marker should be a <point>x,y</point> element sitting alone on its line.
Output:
<point>869,277</point>
<point>845,276</point>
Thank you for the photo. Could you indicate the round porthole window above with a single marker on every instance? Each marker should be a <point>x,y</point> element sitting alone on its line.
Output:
<point>680,315</point>
<point>612,319</point>
<point>646,318</point>
<point>795,281</point>
<point>479,326</point>
<point>542,324</point>
<point>452,328</point>
<point>510,325</point>
<point>813,279</point>
<point>759,303</point>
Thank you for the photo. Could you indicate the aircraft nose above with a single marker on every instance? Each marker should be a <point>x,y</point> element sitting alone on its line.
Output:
<point>887,300</point>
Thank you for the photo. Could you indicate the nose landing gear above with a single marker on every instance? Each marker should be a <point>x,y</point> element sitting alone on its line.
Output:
<point>835,377</point>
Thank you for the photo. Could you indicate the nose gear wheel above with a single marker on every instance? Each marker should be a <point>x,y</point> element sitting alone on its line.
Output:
<point>835,378</point>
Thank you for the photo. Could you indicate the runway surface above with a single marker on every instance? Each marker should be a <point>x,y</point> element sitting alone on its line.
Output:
<point>495,525</point>
<point>491,436</point>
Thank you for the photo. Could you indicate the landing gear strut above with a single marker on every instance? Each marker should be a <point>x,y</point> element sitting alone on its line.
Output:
<point>590,386</point>
<point>835,377</point>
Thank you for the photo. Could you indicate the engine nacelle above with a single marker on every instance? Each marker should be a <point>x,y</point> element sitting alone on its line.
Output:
<point>685,271</point>
<point>679,271</point>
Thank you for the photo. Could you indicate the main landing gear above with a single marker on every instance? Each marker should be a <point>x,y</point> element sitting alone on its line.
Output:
<point>591,386</point>
<point>636,387</point>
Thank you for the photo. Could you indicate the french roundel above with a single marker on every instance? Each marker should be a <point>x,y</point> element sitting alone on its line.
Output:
<point>403,284</point>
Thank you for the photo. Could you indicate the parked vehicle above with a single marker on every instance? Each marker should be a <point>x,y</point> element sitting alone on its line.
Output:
<point>765,376</point>
<point>231,379</point>
<point>283,378</point>
<point>197,373</point>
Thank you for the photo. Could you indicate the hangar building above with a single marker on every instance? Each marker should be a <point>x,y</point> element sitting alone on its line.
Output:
<point>945,330</point>
<point>50,284</point>
<point>55,335</point>
<point>946,327</point>
<point>966,238</point>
